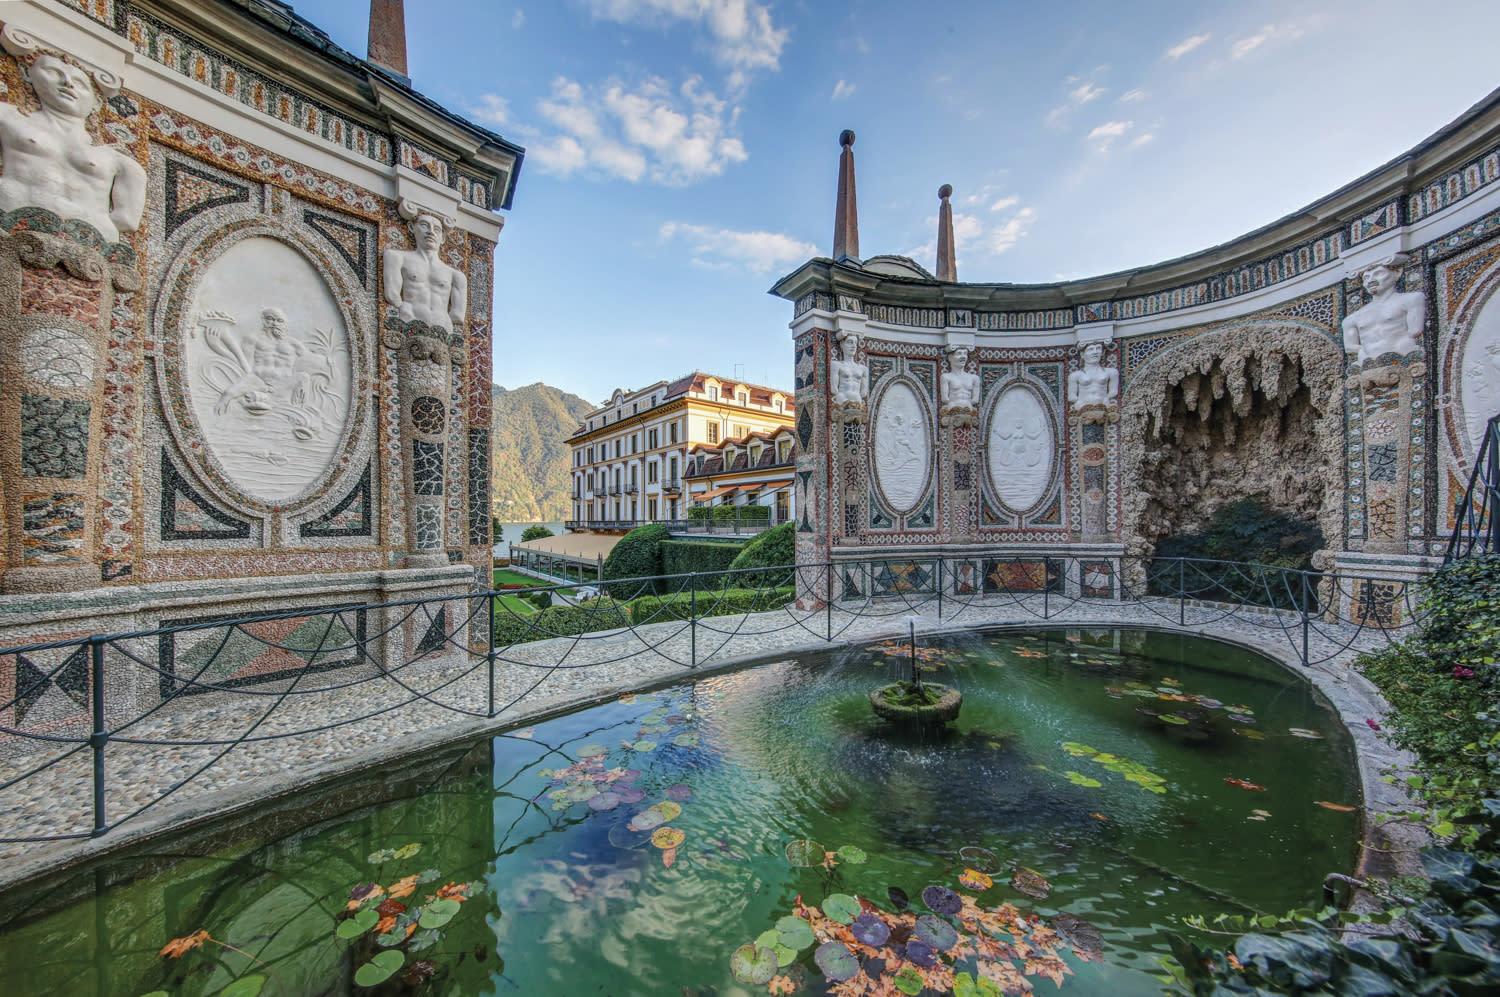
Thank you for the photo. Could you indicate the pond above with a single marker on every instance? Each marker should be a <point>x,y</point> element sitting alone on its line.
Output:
<point>1098,786</point>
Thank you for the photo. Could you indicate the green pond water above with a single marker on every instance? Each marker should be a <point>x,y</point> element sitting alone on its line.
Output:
<point>1061,763</point>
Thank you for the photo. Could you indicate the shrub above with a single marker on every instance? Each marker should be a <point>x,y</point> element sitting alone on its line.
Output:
<point>637,555</point>
<point>699,513</point>
<point>678,557</point>
<point>541,600</point>
<point>720,602</point>
<point>560,621</point>
<point>535,532</point>
<point>775,548</point>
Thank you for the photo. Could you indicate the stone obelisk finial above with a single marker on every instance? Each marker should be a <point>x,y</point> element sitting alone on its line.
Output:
<point>388,35</point>
<point>846,214</point>
<point>947,264</point>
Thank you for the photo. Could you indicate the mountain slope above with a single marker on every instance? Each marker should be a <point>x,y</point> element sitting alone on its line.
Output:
<point>529,456</point>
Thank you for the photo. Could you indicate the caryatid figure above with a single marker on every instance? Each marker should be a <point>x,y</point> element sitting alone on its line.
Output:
<point>1092,390</point>
<point>421,286</point>
<point>850,381</point>
<point>1391,322</point>
<point>960,391</point>
<point>50,161</point>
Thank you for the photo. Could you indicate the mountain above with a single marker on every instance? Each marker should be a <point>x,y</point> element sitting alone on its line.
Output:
<point>529,456</point>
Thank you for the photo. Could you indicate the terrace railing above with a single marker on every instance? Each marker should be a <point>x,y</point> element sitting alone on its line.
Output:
<point>101,730</point>
<point>1477,517</point>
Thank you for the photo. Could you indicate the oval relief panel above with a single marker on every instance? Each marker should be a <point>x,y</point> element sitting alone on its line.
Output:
<point>1479,377</point>
<point>267,368</point>
<point>901,447</point>
<point>1020,448</point>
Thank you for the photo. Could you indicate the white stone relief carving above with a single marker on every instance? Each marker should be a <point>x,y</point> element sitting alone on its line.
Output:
<point>1479,373</point>
<point>1391,322</point>
<point>849,380</point>
<point>1092,391</point>
<point>1020,448</point>
<point>268,369</point>
<point>417,282</point>
<point>50,162</point>
<point>960,391</point>
<point>57,358</point>
<point>901,448</point>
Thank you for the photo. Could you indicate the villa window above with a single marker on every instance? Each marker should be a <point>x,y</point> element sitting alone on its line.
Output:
<point>713,393</point>
<point>741,398</point>
<point>651,474</point>
<point>740,432</point>
<point>713,432</point>
<point>672,433</point>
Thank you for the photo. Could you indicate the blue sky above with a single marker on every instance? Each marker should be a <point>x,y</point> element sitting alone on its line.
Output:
<point>682,154</point>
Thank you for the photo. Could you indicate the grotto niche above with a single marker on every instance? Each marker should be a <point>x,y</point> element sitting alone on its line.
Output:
<point>1241,411</point>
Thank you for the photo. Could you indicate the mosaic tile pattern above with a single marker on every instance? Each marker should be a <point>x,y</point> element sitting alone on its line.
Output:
<point>187,515</point>
<point>56,292</point>
<point>1456,186</point>
<point>352,517</point>
<point>57,358</point>
<point>429,527</point>
<point>350,241</point>
<point>255,653</point>
<point>428,415</point>
<point>53,528</point>
<point>190,191</point>
<point>479,487</point>
<point>54,437</point>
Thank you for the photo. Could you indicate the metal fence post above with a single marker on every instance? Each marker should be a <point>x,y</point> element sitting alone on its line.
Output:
<point>1304,619</point>
<point>828,597</point>
<point>100,737</point>
<point>940,587</point>
<point>1181,592</point>
<point>490,643</point>
<point>1046,591</point>
<point>693,619</point>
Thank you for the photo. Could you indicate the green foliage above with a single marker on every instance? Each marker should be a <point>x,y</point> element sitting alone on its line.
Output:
<point>720,602</point>
<point>541,600</point>
<point>775,548</point>
<point>535,532</point>
<point>679,557</point>
<point>729,512</point>
<point>586,617</point>
<point>1252,533</point>
<point>637,555</point>
<point>531,474</point>
<point>495,527</point>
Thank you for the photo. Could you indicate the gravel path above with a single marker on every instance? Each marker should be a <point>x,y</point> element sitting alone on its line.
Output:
<point>439,700</point>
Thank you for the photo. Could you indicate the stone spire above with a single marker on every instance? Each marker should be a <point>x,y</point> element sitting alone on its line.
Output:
<point>947,265</point>
<point>846,214</point>
<point>388,35</point>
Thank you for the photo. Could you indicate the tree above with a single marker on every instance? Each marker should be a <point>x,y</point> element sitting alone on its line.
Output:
<point>536,532</point>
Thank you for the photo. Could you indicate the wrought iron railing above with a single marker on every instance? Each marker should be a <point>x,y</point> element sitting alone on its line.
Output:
<point>1477,516</point>
<point>121,723</point>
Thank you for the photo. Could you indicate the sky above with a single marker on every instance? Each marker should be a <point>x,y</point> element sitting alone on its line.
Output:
<point>682,155</point>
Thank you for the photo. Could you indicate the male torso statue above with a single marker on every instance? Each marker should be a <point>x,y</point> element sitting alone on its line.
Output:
<point>851,379</point>
<point>960,388</point>
<point>50,162</point>
<point>421,286</point>
<point>1391,321</point>
<point>1095,385</point>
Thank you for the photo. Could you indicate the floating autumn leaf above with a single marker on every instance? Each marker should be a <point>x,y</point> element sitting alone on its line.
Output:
<point>1243,784</point>
<point>627,697</point>
<point>390,908</point>
<point>1335,806</point>
<point>1022,652</point>
<point>973,879</point>
<point>1303,732</point>
<point>1086,939</point>
<point>526,734</point>
<point>1254,735</point>
<point>418,971</point>
<point>781,985</point>
<point>407,851</point>
<point>1170,681</point>
<point>668,857</point>
<point>668,837</point>
<point>404,887</point>
<point>363,894</point>
<point>1098,816</point>
<point>804,853</point>
<point>178,947</point>
<point>1030,882</point>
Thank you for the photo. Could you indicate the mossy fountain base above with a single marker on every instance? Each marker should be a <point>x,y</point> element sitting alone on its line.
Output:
<point>904,704</point>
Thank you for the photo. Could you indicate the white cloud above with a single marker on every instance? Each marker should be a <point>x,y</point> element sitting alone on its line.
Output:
<point>1005,202</point>
<point>648,132</point>
<point>972,233</point>
<point>1085,93</point>
<point>1108,132</point>
<point>1011,232</point>
<point>1131,96</point>
<point>517,19</point>
<point>1057,117</point>
<point>721,248</point>
<point>743,35</point>
<point>1141,140</point>
<point>1185,46</point>
<point>1244,46</point>
<point>493,110</point>
<point>842,90</point>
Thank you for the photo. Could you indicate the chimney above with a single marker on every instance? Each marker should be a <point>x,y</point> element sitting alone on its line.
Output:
<point>845,213</point>
<point>947,265</point>
<point>388,36</point>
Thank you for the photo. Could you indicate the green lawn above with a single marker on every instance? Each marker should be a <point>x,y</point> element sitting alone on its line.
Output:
<point>503,577</point>
<point>515,604</point>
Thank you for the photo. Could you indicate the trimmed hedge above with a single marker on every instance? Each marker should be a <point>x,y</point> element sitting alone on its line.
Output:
<point>723,602</point>
<point>678,557</point>
<point>730,513</point>
<point>637,555</point>
<point>775,548</point>
<point>559,621</point>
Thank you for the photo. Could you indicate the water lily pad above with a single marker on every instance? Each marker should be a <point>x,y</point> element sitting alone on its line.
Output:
<point>622,835</point>
<point>852,854</point>
<point>870,929</point>
<point>381,967</point>
<point>1082,935</point>
<point>592,750</point>
<point>643,746</point>
<point>981,859</point>
<point>1241,718</point>
<point>245,986</point>
<point>686,740</point>
<point>1079,779</point>
<point>1303,732</point>
<point>842,908</point>
<point>908,980</point>
<point>646,820</point>
<point>973,879</point>
<point>921,954</point>
<point>1172,718</point>
<point>805,853</point>
<point>1078,750</point>
<point>630,794</point>
<point>1209,703</point>
<point>936,932</point>
<point>423,940</point>
<point>606,800</point>
<point>582,792</point>
<point>1030,882</point>
<point>668,809</point>
<point>358,924</point>
<point>438,913</point>
<point>668,837</point>
<point>753,964</point>
<point>898,897</point>
<point>941,900</point>
<point>794,933</point>
<point>836,962</point>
